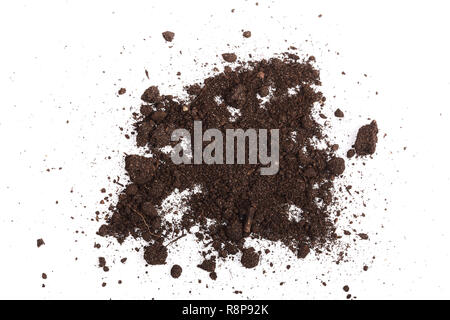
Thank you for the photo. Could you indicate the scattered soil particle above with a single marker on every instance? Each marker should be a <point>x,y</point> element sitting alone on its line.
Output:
<point>250,258</point>
<point>168,36</point>
<point>363,236</point>
<point>208,265</point>
<point>155,254</point>
<point>151,95</point>
<point>351,153</point>
<point>366,140</point>
<point>40,243</point>
<point>346,288</point>
<point>338,113</point>
<point>213,275</point>
<point>229,57</point>
<point>44,276</point>
<point>176,270</point>
<point>101,262</point>
<point>247,34</point>
<point>122,91</point>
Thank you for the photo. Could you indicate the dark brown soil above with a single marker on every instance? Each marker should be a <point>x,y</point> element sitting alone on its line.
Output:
<point>247,34</point>
<point>175,272</point>
<point>351,153</point>
<point>229,57</point>
<point>338,113</point>
<point>250,258</point>
<point>101,262</point>
<point>155,254</point>
<point>363,236</point>
<point>168,36</point>
<point>366,141</point>
<point>236,201</point>
<point>208,265</point>
<point>40,243</point>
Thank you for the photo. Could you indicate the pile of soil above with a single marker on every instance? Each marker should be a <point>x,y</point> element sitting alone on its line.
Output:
<point>236,201</point>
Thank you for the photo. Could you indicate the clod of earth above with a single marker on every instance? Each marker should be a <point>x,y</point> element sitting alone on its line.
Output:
<point>366,140</point>
<point>168,36</point>
<point>229,57</point>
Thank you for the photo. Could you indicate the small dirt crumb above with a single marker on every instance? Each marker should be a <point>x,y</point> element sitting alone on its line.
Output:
<point>101,262</point>
<point>338,113</point>
<point>351,153</point>
<point>229,57</point>
<point>250,258</point>
<point>168,36</point>
<point>40,243</point>
<point>366,140</point>
<point>363,236</point>
<point>208,265</point>
<point>155,254</point>
<point>213,275</point>
<point>176,271</point>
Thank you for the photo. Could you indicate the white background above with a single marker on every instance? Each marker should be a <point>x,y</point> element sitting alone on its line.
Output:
<point>65,60</point>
